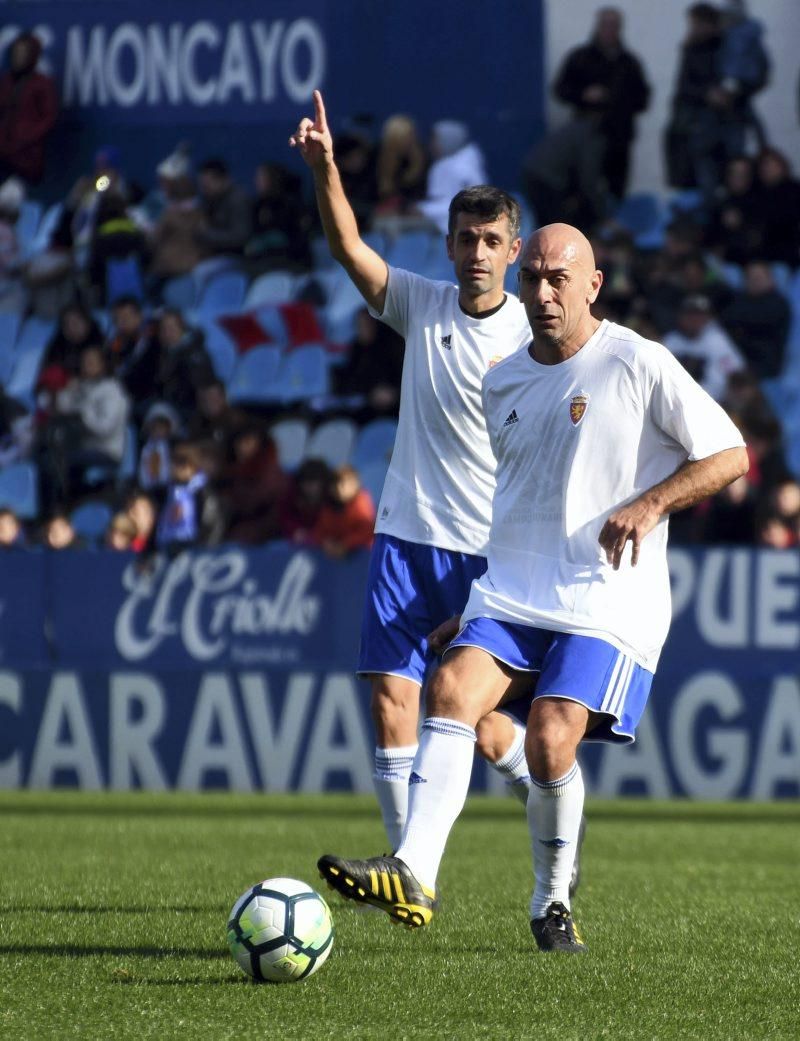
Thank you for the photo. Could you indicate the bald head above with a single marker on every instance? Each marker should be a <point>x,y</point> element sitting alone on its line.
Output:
<point>560,244</point>
<point>558,284</point>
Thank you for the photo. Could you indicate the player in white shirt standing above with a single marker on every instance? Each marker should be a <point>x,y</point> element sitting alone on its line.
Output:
<point>433,517</point>
<point>598,435</point>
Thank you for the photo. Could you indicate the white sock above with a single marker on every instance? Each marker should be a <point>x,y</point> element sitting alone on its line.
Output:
<point>437,791</point>
<point>392,767</point>
<point>554,819</point>
<point>514,766</point>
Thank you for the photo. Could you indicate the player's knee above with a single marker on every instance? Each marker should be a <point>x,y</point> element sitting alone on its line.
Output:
<point>549,747</point>
<point>494,735</point>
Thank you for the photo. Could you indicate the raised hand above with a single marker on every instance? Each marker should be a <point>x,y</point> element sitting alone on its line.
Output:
<point>312,137</point>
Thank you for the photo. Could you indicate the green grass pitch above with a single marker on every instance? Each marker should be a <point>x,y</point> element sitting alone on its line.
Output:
<point>113,912</point>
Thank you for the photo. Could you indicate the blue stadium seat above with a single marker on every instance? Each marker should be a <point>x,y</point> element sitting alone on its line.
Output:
<point>19,490</point>
<point>276,287</point>
<point>180,293</point>
<point>223,293</point>
<point>640,213</point>
<point>321,254</point>
<point>91,520</point>
<point>30,217</point>
<point>412,250</point>
<point>333,442</point>
<point>304,374</point>
<point>31,347</point>
<point>221,349</point>
<point>124,278</point>
<point>375,443</point>
<point>255,378</point>
<point>290,437</point>
<point>130,453</point>
<point>34,335</point>
<point>782,274</point>
<point>339,314</point>
<point>9,329</point>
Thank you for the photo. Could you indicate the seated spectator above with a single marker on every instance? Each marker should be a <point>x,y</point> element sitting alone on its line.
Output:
<point>401,167</point>
<point>373,369</point>
<point>121,533</point>
<point>77,329</point>
<point>191,515</point>
<point>28,111</point>
<point>703,347</point>
<point>303,501</point>
<point>214,422</point>
<point>778,208</point>
<point>183,364</point>
<point>12,534</point>
<point>58,533</point>
<point>94,412</point>
<point>784,501</point>
<point>773,532</point>
<point>82,205</point>
<point>160,428</point>
<point>115,237</point>
<point>12,294</point>
<point>758,321</point>
<point>254,488</point>
<point>176,167</point>
<point>226,210</point>
<point>346,521</point>
<point>736,232</point>
<point>130,335</point>
<point>457,163</point>
<point>764,439</point>
<point>141,508</point>
<point>670,282</point>
<point>175,238</point>
<point>281,222</point>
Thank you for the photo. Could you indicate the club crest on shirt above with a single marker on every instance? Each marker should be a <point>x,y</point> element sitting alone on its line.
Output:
<point>577,408</point>
<point>494,360</point>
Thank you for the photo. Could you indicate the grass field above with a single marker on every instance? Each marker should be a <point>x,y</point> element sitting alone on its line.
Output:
<point>113,912</point>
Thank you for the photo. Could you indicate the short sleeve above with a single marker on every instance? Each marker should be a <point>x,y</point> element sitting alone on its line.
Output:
<point>403,297</point>
<point>681,409</point>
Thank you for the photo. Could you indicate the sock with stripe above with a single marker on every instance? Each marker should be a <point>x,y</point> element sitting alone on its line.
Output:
<point>392,767</point>
<point>513,766</point>
<point>554,819</point>
<point>437,790</point>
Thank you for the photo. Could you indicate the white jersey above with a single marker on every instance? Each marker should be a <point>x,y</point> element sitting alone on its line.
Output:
<point>574,442</point>
<point>440,483</point>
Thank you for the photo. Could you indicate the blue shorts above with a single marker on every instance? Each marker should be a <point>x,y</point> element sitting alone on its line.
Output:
<point>577,668</point>
<point>411,588</point>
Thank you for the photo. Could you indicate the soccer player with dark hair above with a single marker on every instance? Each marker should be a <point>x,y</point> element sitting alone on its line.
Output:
<point>599,435</point>
<point>433,516</point>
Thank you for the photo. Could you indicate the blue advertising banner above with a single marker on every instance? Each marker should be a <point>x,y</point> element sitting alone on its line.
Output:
<point>233,669</point>
<point>233,79</point>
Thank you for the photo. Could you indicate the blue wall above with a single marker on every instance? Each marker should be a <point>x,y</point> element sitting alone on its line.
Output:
<point>234,669</point>
<point>234,78</point>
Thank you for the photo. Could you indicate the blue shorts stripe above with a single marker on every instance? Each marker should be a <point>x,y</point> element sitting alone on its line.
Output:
<point>612,683</point>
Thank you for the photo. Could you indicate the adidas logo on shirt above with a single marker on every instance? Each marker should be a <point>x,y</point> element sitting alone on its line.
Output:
<point>511,419</point>
<point>445,341</point>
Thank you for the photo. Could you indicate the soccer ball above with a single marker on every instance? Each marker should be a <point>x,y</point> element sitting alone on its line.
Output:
<point>280,930</point>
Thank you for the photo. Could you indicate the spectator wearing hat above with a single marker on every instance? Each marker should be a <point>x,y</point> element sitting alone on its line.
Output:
<point>28,111</point>
<point>176,233</point>
<point>703,347</point>
<point>161,426</point>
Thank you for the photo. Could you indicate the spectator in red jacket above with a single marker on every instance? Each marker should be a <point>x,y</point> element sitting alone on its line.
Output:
<point>255,487</point>
<point>347,519</point>
<point>28,110</point>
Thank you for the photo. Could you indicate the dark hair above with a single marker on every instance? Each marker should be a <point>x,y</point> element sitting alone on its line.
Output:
<point>126,301</point>
<point>187,453</point>
<point>218,167</point>
<point>177,314</point>
<point>486,202</point>
<point>704,13</point>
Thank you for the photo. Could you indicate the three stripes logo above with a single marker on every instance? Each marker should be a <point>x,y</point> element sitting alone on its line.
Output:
<point>414,778</point>
<point>446,342</point>
<point>511,418</point>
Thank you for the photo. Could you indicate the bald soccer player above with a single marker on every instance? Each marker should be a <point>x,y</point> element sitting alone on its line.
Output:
<point>599,435</point>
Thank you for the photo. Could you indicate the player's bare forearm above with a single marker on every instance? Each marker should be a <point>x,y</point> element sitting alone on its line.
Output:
<point>368,271</point>
<point>693,482</point>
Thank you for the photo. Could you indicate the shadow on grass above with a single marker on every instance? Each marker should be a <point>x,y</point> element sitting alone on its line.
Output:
<point>78,951</point>
<point>110,909</point>
<point>234,980</point>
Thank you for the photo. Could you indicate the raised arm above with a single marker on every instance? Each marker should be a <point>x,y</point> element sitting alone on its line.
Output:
<point>365,267</point>
<point>688,485</point>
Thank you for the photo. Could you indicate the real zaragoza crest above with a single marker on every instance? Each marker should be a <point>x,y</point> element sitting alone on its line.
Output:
<point>577,408</point>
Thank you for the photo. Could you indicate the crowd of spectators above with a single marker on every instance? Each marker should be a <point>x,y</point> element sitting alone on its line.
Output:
<point>207,471</point>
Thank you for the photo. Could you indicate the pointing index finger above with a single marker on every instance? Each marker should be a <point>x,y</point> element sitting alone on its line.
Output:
<point>319,110</point>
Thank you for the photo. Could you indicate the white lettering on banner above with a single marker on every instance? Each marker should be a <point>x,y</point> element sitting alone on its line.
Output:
<point>778,759</point>
<point>338,707</point>
<point>156,64</point>
<point>215,710</point>
<point>776,597</point>
<point>10,698</point>
<point>65,712</point>
<point>720,628</point>
<point>641,763</point>
<point>131,740</point>
<point>730,747</point>
<point>276,745</point>
<point>222,603</point>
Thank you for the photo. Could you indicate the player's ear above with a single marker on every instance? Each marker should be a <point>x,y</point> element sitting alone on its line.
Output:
<point>513,252</point>
<point>594,286</point>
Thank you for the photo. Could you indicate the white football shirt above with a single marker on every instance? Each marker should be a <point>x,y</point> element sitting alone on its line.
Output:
<point>440,483</point>
<point>574,442</point>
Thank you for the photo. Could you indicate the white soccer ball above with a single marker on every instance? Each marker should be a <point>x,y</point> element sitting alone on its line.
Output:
<point>280,930</point>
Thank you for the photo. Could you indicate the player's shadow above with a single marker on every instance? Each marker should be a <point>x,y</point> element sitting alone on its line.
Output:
<point>89,951</point>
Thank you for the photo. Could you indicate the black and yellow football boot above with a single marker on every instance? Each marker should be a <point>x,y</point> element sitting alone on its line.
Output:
<point>557,931</point>
<point>382,882</point>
